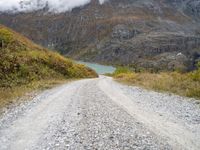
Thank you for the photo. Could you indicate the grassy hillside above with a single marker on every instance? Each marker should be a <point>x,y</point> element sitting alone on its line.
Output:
<point>23,63</point>
<point>185,84</point>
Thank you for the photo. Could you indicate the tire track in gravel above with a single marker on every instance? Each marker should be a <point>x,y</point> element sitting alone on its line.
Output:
<point>176,133</point>
<point>94,114</point>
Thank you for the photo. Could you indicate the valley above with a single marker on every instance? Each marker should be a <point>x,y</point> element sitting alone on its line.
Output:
<point>155,35</point>
<point>100,69</point>
<point>99,75</point>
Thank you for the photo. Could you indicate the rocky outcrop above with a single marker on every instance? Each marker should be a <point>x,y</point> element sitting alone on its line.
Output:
<point>122,32</point>
<point>159,51</point>
<point>193,9</point>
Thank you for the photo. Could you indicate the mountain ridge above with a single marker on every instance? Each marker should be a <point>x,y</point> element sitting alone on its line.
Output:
<point>117,32</point>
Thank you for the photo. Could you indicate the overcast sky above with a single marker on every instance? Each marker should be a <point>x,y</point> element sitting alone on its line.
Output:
<point>55,5</point>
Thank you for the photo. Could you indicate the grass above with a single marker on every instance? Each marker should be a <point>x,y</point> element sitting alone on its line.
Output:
<point>23,62</point>
<point>184,84</point>
<point>13,95</point>
<point>26,66</point>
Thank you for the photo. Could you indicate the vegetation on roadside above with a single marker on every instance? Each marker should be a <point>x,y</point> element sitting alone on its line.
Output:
<point>18,93</point>
<point>23,63</point>
<point>185,84</point>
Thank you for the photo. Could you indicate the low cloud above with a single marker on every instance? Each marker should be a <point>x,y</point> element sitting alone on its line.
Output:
<point>53,5</point>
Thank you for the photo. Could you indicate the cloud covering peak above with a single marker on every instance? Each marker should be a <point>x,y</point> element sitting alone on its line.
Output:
<point>53,5</point>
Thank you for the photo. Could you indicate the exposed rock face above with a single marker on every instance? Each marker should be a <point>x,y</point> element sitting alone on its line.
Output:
<point>157,50</point>
<point>144,33</point>
<point>193,8</point>
<point>122,32</point>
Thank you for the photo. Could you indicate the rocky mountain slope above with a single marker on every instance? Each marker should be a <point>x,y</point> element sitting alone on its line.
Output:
<point>154,34</point>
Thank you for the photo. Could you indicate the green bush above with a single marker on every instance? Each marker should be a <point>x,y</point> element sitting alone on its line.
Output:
<point>195,75</point>
<point>121,70</point>
<point>6,38</point>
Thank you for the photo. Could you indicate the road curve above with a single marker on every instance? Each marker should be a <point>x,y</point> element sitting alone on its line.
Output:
<point>101,114</point>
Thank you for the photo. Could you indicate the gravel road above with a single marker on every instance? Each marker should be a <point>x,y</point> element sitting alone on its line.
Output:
<point>101,114</point>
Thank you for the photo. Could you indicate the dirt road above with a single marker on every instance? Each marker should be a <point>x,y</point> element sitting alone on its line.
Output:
<point>101,114</point>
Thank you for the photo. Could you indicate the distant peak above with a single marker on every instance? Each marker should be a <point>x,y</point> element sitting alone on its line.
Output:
<point>52,5</point>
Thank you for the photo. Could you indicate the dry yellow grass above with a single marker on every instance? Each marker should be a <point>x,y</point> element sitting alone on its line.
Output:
<point>187,84</point>
<point>26,66</point>
<point>12,95</point>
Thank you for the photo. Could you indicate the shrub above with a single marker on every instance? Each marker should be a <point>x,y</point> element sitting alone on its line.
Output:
<point>6,38</point>
<point>121,70</point>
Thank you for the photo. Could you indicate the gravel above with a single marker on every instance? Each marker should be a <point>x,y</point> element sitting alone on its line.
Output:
<point>92,121</point>
<point>84,115</point>
<point>174,107</point>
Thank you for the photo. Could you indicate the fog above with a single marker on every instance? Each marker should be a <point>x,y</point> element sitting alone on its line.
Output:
<point>53,5</point>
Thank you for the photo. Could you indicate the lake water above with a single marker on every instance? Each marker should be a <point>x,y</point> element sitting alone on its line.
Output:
<point>100,69</point>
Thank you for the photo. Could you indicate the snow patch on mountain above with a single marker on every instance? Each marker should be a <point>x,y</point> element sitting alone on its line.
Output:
<point>52,5</point>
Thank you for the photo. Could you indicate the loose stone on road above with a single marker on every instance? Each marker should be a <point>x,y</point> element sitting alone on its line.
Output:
<point>101,114</point>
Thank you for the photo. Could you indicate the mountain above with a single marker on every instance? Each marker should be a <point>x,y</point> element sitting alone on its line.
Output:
<point>23,62</point>
<point>153,34</point>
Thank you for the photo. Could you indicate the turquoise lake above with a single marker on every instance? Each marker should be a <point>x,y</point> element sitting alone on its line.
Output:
<point>100,69</point>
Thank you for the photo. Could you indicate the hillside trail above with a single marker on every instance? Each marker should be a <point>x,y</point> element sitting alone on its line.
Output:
<point>101,114</point>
